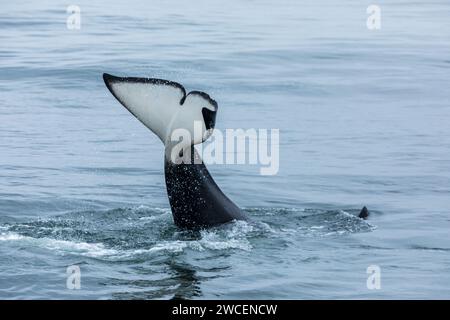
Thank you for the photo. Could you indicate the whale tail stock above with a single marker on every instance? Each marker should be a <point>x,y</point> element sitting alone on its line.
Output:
<point>164,106</point>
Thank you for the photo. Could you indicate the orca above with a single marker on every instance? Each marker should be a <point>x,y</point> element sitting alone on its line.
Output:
<point>164,106</point>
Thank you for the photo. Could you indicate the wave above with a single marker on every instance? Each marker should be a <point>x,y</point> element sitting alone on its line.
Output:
<point>138,232</point>
<point>61,246</point>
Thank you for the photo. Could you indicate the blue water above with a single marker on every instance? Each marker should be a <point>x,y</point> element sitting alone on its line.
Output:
<point>363,117</point>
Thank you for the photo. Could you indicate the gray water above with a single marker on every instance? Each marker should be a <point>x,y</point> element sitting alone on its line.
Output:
<point>363,116</point>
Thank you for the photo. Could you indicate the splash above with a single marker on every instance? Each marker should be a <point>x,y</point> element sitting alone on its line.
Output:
<point>140,232</point>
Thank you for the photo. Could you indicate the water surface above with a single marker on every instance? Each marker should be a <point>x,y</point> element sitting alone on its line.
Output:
<point>363,118</point>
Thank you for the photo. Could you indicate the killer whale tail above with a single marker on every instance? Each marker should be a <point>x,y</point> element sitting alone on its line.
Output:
<point>164,106</point>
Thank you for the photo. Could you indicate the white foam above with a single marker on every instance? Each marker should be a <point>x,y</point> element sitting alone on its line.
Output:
<point>171,246</point>
<point>10,236</point>
<point>61,246</point>
<point>153,218</point>
<point>178,246</point>
<point>234,237</point>
<point>143,207</point>
<point>239,229</point>
<point>241,244</point>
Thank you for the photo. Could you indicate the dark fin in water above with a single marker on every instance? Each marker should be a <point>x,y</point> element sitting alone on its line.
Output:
<point>364,214</point>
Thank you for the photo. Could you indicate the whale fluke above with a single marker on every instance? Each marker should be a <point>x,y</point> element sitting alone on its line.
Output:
<point>163,106</point>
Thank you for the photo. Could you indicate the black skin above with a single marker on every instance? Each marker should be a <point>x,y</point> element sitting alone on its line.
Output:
<point>364,214</point>
<point>196,200</point>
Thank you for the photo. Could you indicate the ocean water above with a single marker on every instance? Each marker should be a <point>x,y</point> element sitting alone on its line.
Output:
<point>364,121</point>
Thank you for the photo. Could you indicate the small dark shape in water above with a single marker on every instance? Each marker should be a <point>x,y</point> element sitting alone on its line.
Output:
<point>364,214</point>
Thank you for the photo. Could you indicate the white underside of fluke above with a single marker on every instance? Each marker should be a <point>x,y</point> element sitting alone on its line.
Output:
<point>162,106</point>
<point>154,105</point>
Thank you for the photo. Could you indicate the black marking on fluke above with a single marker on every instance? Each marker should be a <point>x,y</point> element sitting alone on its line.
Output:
<point>209,117</point>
